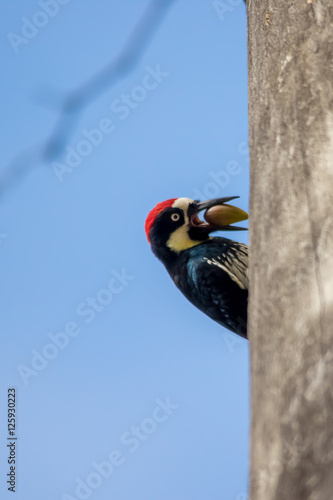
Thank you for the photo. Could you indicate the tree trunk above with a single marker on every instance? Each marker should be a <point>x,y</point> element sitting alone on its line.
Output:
<point>291,248</point>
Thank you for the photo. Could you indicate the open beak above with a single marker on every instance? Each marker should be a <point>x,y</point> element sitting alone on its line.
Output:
<point>218,216</point>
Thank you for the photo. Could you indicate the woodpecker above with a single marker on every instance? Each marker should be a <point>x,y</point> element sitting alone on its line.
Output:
<point>211,272</point>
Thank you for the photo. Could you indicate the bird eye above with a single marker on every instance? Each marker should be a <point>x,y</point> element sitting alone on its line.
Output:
<point>175,217</point>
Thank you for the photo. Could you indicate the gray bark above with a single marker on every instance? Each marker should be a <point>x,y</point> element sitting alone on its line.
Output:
<point>291,248</point>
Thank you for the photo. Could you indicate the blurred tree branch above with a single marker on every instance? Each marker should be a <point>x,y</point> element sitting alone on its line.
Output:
<point>76,100</point>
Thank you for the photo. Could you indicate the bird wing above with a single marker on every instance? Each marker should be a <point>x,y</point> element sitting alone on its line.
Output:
<point>233,261</point>
<point>220,285</point>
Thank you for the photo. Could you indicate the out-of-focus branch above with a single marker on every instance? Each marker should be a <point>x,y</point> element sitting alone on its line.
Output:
<point>77,100</point>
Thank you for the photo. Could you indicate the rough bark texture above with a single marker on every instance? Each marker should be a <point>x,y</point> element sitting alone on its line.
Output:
<point>291,248</point>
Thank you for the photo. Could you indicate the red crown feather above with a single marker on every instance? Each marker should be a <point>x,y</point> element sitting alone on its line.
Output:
<point>154,213</point>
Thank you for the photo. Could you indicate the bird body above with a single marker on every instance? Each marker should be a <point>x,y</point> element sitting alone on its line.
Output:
<point>211,272</point>
<point>213,276</point>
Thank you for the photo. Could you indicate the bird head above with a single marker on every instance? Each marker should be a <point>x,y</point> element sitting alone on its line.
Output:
<point>174,225</point>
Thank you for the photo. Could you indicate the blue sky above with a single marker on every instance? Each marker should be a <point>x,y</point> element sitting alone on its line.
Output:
<point>124,389</point>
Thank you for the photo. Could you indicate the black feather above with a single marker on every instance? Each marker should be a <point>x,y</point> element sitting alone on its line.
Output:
<point>213,276</point>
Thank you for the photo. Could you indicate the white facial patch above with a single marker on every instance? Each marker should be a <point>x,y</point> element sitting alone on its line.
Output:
<point>179,239</point>
<point>182,203</point>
